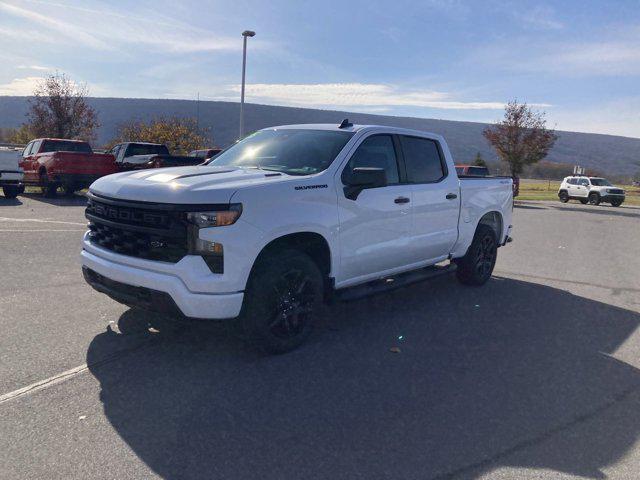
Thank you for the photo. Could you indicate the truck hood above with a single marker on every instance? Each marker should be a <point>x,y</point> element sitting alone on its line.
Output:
<point>183,185</point>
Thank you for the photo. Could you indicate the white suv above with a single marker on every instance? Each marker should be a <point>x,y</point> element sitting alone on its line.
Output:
<point>591,190</point>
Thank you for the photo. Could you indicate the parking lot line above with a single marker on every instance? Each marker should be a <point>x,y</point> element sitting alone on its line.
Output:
<point>42,230</point>
<point>72,372</point>
<point>37,220</point>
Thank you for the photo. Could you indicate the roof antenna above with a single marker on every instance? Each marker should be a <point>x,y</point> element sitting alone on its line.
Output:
<point>346,123</point>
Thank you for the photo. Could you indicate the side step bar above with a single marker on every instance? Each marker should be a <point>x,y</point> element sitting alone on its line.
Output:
<point>391,283</point>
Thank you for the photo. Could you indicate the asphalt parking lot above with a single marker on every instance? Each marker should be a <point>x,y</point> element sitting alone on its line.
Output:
<point>534,375</point>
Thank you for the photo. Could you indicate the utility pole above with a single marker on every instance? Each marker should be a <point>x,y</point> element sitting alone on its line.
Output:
<point>245,34</point>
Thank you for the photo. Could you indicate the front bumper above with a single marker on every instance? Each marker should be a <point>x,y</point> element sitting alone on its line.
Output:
<point>612,197</point>
<point>156,291</point>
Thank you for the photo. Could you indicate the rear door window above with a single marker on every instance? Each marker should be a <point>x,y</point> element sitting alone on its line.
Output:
<point>422,160</point>
<point>65,146</point>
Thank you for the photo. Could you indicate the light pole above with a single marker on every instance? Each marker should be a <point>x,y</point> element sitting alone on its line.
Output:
<point>245,34</point>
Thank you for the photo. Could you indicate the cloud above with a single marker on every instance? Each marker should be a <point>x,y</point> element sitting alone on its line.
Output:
<point>107,29</point>
<point>67,29</point>
<point>340,95</point>
<point>20,86</point>
<point>34,67</point>
<point>613,54</point>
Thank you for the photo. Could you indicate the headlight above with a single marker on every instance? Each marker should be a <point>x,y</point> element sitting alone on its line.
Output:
<point>216,218</point>
<point>212,252</point>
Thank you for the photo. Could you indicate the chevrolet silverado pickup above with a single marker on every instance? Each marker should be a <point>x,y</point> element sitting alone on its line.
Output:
<point>10,173</point>
<point>53,163</point>
<point>290,217</point>
<point>141,155</point>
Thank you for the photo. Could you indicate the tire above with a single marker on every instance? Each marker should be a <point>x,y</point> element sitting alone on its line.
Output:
<point>48,189</point>
<point>563,196</point>
<point>68,190</point>
<point>584,201</point>
<point>12,191</point>
<point>616,203</point>
<point>284,292</point>
<point>594,199</point>
<point>476,267</point>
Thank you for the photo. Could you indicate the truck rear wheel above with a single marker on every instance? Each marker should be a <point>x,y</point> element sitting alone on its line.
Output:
<point>282,297</point>
<point>476,267</point>
<point>563,196</point>
<point>594,199</point>
<point>49,189</point>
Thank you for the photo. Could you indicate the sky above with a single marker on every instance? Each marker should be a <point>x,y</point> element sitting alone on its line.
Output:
<point>579,61</point>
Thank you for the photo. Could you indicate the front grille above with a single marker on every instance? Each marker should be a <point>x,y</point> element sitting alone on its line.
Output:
<point>147,233</point>
<point>616,191</point>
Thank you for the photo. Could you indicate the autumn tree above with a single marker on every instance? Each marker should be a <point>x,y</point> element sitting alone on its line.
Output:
<point>180,135</point>
<point>21,135</point>
<point>522,137</point>
<point>59,109</point>
<point>479,161</point>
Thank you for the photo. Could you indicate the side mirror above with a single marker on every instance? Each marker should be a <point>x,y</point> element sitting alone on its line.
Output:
<point>362,178</point>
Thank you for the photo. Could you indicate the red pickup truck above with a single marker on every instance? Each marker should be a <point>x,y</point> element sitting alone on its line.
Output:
<point>69,164</point>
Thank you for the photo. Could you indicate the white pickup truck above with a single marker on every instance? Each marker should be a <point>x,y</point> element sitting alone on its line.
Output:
<point>11,175</point>
<point>287,218</point>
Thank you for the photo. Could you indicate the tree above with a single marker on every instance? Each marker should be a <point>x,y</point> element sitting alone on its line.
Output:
<point>479,161</point>
<point>21,136</point>
<point>59,109</point>
<point>521,138</point>
<point>180,135</point>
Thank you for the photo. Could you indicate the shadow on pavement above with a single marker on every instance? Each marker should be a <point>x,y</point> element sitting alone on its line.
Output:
<point>487,377</point>
<point>76,200</point>
<point>9,202</point>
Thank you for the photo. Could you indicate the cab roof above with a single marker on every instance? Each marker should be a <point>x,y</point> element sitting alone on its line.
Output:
<point>354,128</point>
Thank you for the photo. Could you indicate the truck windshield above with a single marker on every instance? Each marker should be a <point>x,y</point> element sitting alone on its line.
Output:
<point>291,151</point>
<point>145,149</point>
<point>600,182</point>
<point>64,146</point>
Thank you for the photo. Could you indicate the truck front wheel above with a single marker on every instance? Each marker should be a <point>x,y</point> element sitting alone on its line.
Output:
<point>12,191</point>
<point>476,267</point>
<point>283,295</point>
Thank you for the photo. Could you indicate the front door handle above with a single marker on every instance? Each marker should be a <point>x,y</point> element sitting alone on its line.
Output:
<point>402,200</point>
<point>451,196</point>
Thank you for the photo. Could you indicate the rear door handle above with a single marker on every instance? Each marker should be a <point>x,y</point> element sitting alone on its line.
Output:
<point>451,196</point>
<point>402,200</point>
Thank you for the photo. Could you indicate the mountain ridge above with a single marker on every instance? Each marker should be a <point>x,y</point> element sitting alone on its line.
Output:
<point>609,154</point>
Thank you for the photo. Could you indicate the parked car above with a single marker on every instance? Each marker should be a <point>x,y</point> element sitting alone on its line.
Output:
<point>70,164</point>
<point>289,217</point>
<point>591,190</point>
<point>472,170</point>
<point>479,171</point>
<point>205,154</point>
<point>11,174</point>
<point>140,155</point>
